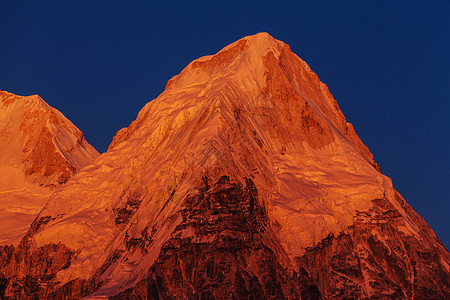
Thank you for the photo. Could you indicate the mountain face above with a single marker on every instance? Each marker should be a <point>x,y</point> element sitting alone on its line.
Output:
<point>241,180</point>
<point>41,150</point>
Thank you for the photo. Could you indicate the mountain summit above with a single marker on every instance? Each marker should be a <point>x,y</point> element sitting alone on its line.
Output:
<point>241,180</point>
<point>40,150</point>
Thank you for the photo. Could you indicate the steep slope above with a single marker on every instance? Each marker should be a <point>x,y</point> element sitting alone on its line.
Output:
<point>40,150</point>
<point>242,179</point>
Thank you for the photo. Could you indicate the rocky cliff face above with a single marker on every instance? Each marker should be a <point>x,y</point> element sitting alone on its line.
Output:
<point>41,150</point>
<point>241,180</point>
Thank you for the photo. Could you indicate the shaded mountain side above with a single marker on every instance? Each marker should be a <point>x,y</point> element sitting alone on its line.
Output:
<point>374,258</point>
<point>230,252</point>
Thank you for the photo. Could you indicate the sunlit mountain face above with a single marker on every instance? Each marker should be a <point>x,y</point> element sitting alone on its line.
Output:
<point>243,179</point>
<point>40,150</point>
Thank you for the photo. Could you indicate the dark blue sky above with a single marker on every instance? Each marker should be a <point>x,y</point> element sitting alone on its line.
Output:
<point>386,63</point>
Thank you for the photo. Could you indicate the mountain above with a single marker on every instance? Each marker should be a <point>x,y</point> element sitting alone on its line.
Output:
<point>241,180</point>
<point>41,149</point>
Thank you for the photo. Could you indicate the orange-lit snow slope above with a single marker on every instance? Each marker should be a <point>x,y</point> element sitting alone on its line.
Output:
<point>40,150</point>
<point>245,150</point>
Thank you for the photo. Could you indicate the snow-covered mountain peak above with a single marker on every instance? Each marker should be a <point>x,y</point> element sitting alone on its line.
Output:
<point>40,150</point>
<point>242,178</point>
<point>236,60</point>
<point>252,74</point>
<point>43,148</point>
